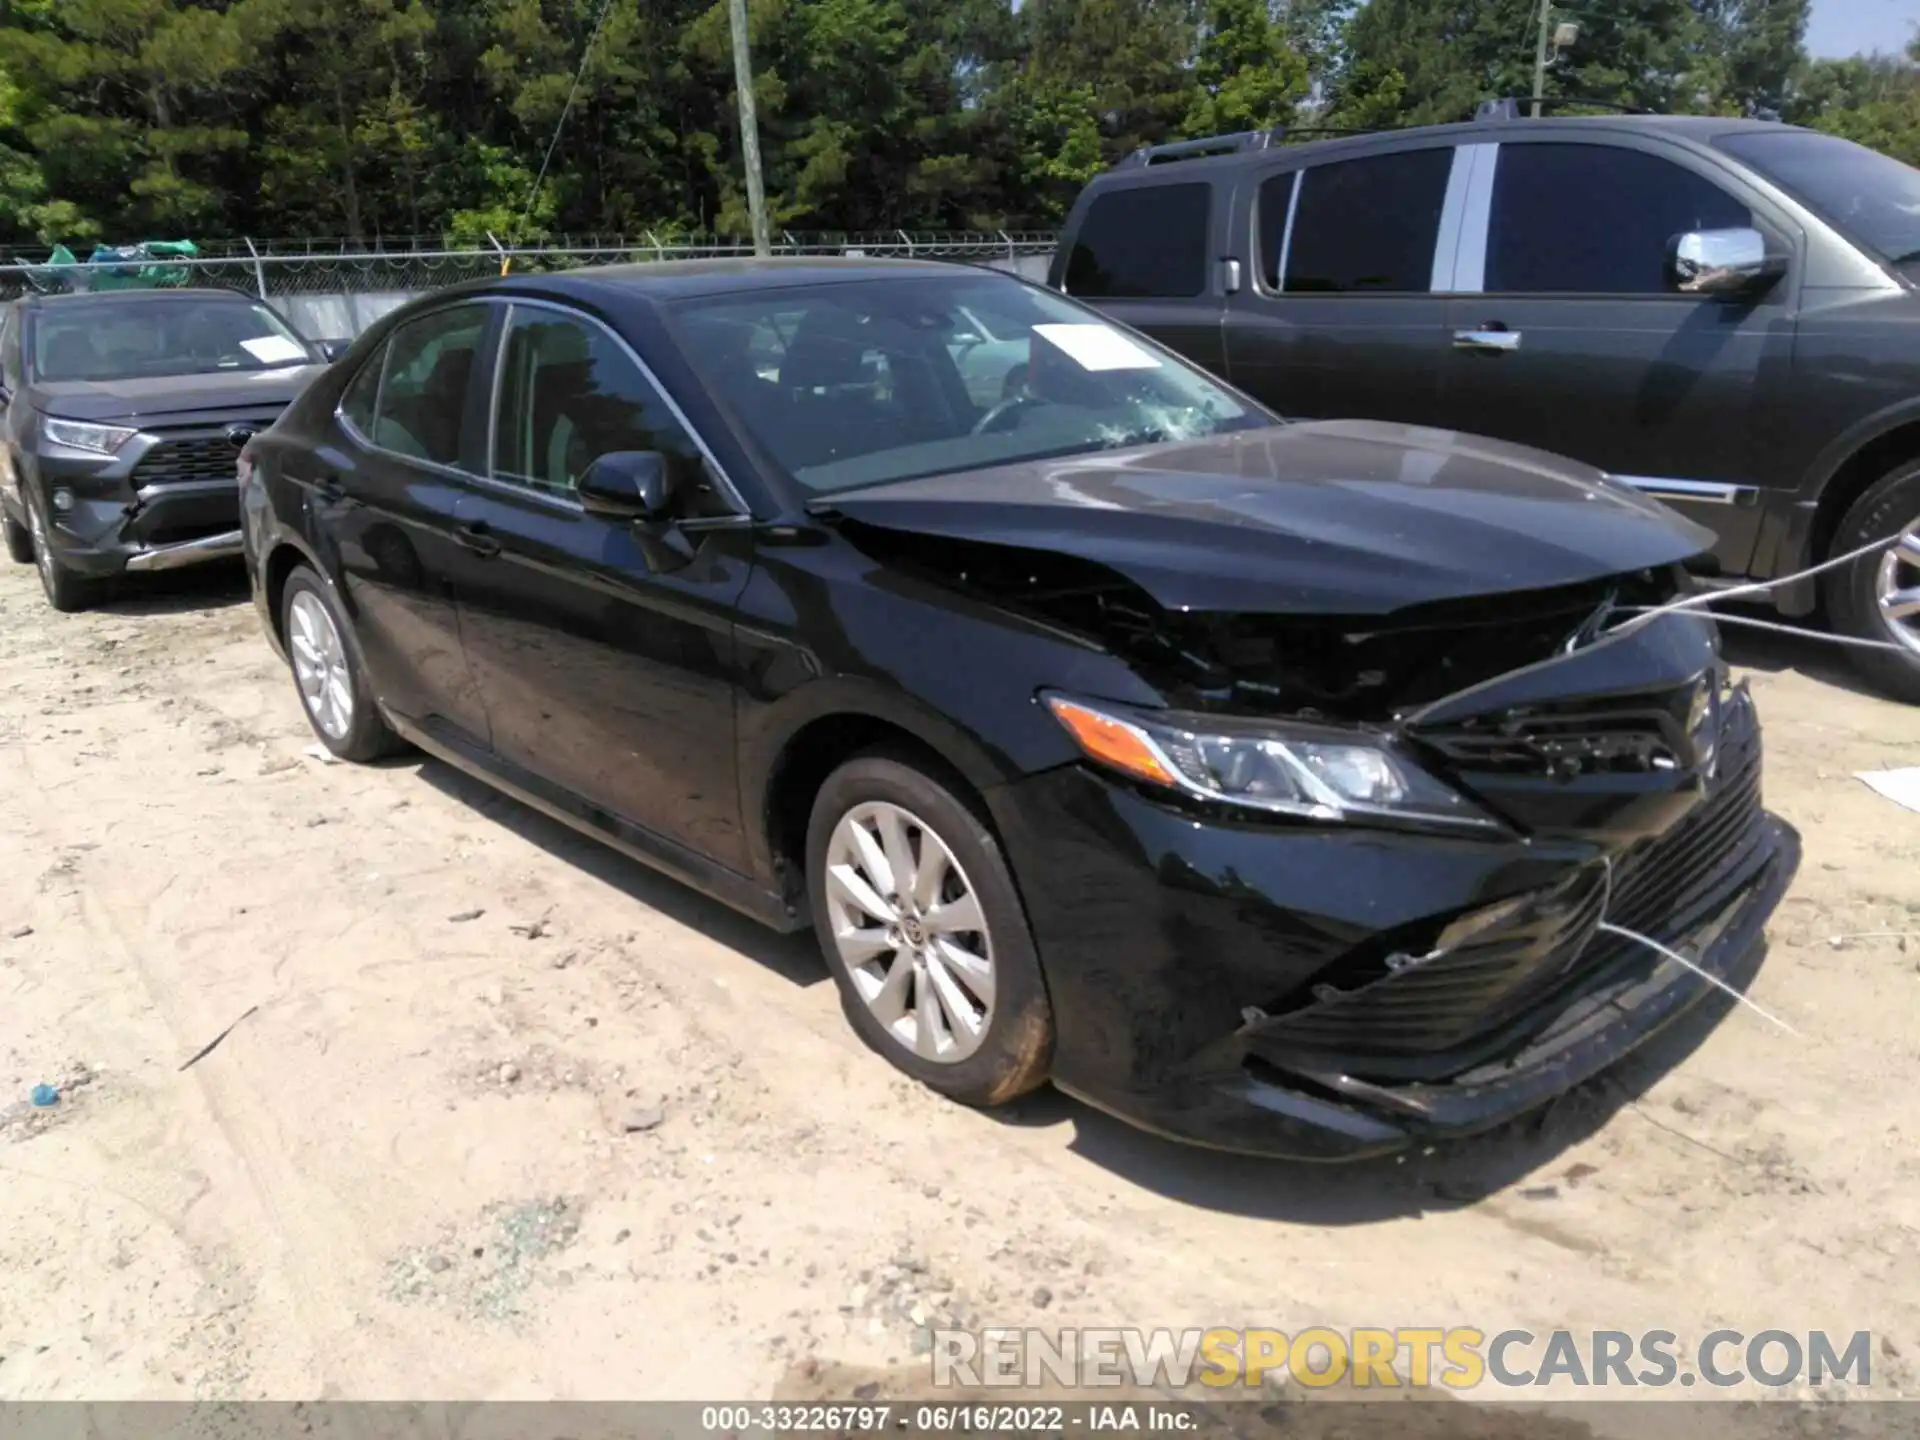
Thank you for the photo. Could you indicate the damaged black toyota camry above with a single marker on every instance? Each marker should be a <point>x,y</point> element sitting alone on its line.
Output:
<point>1302,789</point>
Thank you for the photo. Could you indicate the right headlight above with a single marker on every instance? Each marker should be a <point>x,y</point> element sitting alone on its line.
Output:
<point>85,435</point>
<point>1312,772</point>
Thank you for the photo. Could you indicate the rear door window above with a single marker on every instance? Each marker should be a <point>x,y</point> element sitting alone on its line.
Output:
<point>423,397</point>
<point>1145,242</point>
<point>1367,225</point>
<point>1595,219</point>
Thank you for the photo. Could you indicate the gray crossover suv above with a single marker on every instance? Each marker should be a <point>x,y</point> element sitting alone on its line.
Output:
<point>121,418</point>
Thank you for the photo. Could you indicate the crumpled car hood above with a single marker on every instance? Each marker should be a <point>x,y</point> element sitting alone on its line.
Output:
<point>1333,517</point>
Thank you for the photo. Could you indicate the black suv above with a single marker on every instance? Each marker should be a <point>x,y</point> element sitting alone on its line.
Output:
<point>1724,314</point>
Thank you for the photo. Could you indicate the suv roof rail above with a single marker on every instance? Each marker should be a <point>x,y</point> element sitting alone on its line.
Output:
<point>1195,149</point>
<point>1515,107</point>
<point>1229,144</point>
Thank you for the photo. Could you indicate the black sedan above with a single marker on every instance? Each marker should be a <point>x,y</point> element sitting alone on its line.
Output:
<point>1301,789</point>
<point>123,412</point>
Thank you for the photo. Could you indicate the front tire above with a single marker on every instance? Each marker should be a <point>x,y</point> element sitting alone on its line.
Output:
<point>1878,597</point>
<point>19,539</point>
<point>66,590</point>
<point>923,929</point>
<point>326,668</point>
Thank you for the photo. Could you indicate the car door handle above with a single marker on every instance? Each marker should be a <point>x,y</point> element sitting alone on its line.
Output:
<point>331,490</point>
<point>477,538</point>
<point>1487,342</point>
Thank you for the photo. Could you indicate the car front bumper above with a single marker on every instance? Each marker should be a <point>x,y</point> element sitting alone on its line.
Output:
<point>145,507</point>
<point>1187,959</point>
<point>163,527</point>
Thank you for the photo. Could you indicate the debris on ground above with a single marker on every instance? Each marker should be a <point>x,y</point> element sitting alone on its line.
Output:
<point>320,753</point>
<point>485,1270</point>
<point>20,932</point>
<point>43,1105</point>
<point>646,1118</point>
<point>464,916</point>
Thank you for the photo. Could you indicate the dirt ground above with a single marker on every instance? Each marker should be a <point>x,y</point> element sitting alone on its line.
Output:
<point>502,1115</point>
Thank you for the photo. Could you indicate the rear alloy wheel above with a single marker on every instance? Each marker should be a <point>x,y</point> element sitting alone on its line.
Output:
<point>66,591</point>
<point>1878,598</point>
<point>924,931</point>
<point>326,670</point>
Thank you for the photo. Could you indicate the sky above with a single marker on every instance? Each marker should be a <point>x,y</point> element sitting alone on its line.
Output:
<point>1848,27</point>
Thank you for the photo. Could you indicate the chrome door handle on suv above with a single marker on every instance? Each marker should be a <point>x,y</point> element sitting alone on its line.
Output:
<point>1487,342</point>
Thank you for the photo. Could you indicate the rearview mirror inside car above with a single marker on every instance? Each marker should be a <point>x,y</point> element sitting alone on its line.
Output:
<point>1726,263</point>
<point>627,485</point>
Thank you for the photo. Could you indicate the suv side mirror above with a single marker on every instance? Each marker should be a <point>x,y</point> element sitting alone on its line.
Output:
<point>1729,264</point>
<point>332,350</point>
<point>627,485</point>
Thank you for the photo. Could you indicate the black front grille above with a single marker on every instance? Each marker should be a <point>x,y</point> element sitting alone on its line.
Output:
<point>1634,733</point>
<point>188,458</point>
<point>1663,888</point>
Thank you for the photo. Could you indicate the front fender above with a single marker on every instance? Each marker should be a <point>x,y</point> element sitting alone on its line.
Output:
<point>825,634</point>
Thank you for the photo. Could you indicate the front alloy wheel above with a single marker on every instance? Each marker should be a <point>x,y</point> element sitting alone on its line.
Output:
<point>1899,586</point>
<point>921,924</point>
<point>910,931</point>
<point>1877,598</point>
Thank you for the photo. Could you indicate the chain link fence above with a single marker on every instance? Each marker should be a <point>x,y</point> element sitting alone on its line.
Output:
<point>331,294</point>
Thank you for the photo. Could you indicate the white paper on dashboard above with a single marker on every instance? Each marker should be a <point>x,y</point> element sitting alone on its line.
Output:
<point>1097,347</point>
<point>272,349</point>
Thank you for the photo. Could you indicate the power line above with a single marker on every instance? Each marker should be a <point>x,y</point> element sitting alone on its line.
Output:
<point>565,110</point>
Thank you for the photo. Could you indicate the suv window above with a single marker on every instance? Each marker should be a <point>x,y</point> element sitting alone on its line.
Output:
<point>1369,224</point>
<point>1143,242</point>
<point>568,395</point>
<point>1595,219</point>
<point>423,398</point>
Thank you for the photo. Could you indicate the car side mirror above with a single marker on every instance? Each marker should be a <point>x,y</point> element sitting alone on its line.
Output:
<point>635,486</point>
<point>627,485</point>
<point>332,350</point>
<point>1726,264</point>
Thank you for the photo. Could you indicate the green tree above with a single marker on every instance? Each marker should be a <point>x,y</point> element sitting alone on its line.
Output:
<point>1247,76</point>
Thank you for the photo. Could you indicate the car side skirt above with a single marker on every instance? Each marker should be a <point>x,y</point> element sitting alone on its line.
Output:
<point>575,811</point>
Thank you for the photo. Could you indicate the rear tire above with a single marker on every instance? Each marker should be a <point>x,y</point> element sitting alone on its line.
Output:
<point>1857,595</point>
<point>944,982</point>
<point>327,674</point>
<point>66,590</point>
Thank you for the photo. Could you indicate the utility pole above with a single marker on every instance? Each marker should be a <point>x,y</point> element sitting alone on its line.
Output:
<point>1540,55</point>
<point>749,129</point>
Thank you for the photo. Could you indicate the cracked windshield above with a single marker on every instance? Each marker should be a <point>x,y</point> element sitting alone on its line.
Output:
<point>853,385</point>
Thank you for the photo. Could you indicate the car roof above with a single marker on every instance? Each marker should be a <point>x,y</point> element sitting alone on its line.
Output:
<point>668,280</point>
<point>1699,129</point>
